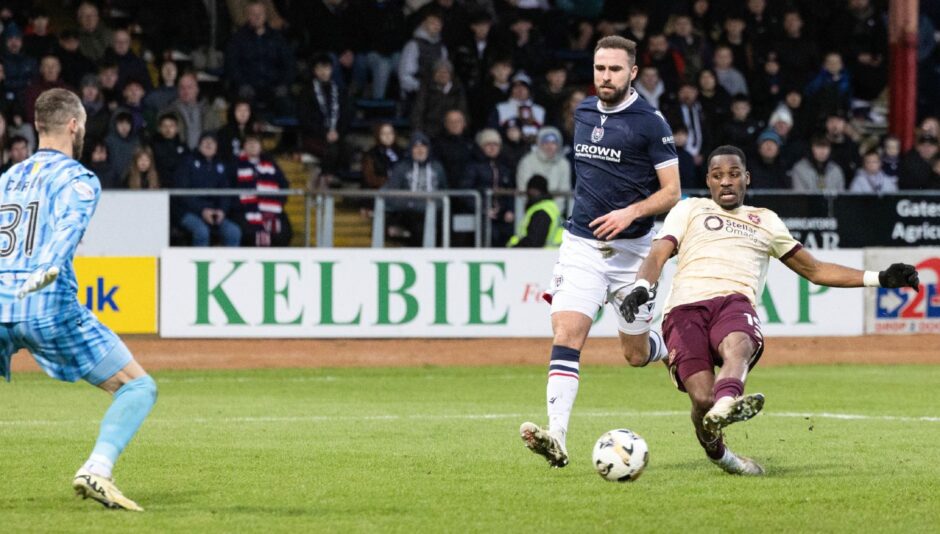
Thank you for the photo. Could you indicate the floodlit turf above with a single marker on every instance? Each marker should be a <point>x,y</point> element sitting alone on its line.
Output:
<point>437,449</point>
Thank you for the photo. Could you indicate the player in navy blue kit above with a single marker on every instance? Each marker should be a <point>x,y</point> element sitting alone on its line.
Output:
<point>627,172</point>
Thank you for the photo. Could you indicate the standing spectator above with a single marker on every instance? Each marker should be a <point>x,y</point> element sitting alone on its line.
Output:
<point>688,175</point>
<point>742,129</point>
<point>735,38</point>
<point>542,226</point>
<point>197,115</point>
<point>915,171</point>
<point>143,171</point>
<point>107,82</point>
<point>831,90</point>
<point>761,27</point>
<point>844,149</point>
<point>50,71</point>
<point>435,98</point>
<point>546,159</point>
<point>728,76</point>
<point>767,86</point>
<point>168,149</point>
<point>638,27</point>
<point>259,64</point>
<point>379,160</point>
<point>165,92</point>
<point>383,42</point>
<point>324,119</point>
<point>18,68</point>
<point>694,48</point>
<point>4,140</point>
<point>96,110</point>
<point>74,64</point>
<point>553,93</point>
<point>528,115</point>
<point>476,52</point>
<point>453,147</point>
<point>417,173</point>
<point>797,53</point>
<point>489,172</point>
<point>891,155</point>
<point>485,98</point>
<point>715,101</point>
<point>454,18</point>
<point>9,103</point>
<point>817,173</point>
<point>129,65</point>
<point>93,37</point>
<point>39,41</point>
<point>204,216</point>
<point>263,221</point>
<point>650,86</point>
<point>871,179</point>
<point>122,142</point>
<point>100,164</point>
<point>420,54</point>
<point>667,61</point>
<point>526,44</point>
<point>689,111</point>
<point>767,168</point>
<point>18,150</point>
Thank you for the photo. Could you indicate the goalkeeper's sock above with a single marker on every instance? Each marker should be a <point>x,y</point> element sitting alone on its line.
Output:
<point>131,405</point>
<point>562,388</point>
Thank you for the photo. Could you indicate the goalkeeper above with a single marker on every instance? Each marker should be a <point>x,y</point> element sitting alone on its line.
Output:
<point>723,249</point>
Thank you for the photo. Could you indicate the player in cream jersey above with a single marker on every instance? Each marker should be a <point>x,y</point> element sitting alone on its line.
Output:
<point>723,251</point>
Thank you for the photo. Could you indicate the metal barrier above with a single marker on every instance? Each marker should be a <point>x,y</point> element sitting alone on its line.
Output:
<point>321,204</point>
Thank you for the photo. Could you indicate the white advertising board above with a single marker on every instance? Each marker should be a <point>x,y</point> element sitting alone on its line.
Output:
<point>128,223</point>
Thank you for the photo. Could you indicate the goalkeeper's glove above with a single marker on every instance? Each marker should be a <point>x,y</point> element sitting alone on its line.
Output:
<point>641,294</point>
<point>38,279</point>
<point>899,275</point>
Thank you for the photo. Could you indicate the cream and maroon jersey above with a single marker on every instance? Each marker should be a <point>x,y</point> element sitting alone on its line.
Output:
<point>723,252</point>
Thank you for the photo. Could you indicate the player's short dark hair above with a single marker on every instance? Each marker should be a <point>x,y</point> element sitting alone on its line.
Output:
<point>54,109</point>
<point>619,43</point>
<point>727,150</point>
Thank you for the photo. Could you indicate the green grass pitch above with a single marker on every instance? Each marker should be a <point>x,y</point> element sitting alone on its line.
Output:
<point>437,450</point>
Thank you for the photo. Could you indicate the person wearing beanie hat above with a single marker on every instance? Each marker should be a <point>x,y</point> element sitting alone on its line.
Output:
<point>417,172</point>
<point>766,167</point>
<point>547,159</point>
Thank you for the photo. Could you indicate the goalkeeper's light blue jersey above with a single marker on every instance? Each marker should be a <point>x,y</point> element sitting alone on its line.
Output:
<point>45,205</point>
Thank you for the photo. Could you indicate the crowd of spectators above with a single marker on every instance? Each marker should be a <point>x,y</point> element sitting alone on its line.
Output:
<point>481,95</point>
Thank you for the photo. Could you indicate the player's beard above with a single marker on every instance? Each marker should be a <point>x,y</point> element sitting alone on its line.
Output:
<point>616,97</point>
<point>78,142</point>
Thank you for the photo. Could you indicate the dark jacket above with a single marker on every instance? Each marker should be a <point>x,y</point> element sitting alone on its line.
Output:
<point>130,67</point>
<point>314,118</point>
<point>196,172</point>
<point>18,70</point>
<point>431,105</point>
<point>454,153</point>
<point>403,178</point>
<point>483,174</point>
<point>262,61</point>
<point>766,175</point>
<point>168,154</point>
<point>376,164</point>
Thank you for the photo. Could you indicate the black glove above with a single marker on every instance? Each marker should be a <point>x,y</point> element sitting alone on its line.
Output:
<point>899,275</point>
<point>632,302</point>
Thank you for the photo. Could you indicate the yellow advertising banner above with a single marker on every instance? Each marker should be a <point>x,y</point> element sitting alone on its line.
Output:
<point>121,292</point>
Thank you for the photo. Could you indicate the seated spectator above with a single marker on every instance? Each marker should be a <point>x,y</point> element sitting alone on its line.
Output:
<point>259,64</point>
<point>542,226</point>
<point>793,147</point>
<point>133,103</point>
<point>637,29</point>
<point>548,160</point>
<point>767,87</point>
<point>715,101</point>
<point>93,36</point>
<point>742,129</point>
<point>553,93</point>
<point>39,41</point>
<point>891,155</point>
<point>454,149</point>
<point>107,82</point>
<point>694,48</point>
<point>817,173</point>
<point>916,171</point>
<point>728,76</point>
<point>871,179</point>
<point>196,115</point>
<point>143,170</point>
<point>443,93</point>
<point>263,221</point>
<point>418,172</point>
<point>689,177</point>
<point>18,150</point>
<point>122,141</point>
<point>168,148</point>
<point>241,122</point>
<point>668,62</point>
<point>735,37</point>
<point>420,54</point>
<point>50,71</point>
<point>831,90</point>
<point>165,92</point>
<point>74,64</point>
<point>797,53</point>
<point>204,216</point>
<point>324,119</point>
<point>489,172</point>
<point>130,66</point>
<point>526,45</point>
<point>767,166</point>
<point>18,68</point>
<point>528,115</point>
<point>649,86</point>
<point>844,149</point>
<point>515,146</point>
<point>477,51</point>
<point>98,120</point>
<point>100,164</point>
<point>382,45</point>
<point>379,160</point>
<point>9,103</point>
<point>484,98</point>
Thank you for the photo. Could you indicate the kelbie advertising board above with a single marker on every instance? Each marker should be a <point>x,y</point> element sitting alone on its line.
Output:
<point>380,293</point>
<point>904,311</point>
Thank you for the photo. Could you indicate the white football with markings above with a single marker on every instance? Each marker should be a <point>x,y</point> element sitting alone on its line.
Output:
<point>620,455</point>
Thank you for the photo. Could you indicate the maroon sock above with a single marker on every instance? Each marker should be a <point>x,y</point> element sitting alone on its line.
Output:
<point>714,450</point>
<point>728,387</point>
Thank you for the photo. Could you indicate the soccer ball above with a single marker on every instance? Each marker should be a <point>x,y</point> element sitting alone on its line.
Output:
<point>620,455</point>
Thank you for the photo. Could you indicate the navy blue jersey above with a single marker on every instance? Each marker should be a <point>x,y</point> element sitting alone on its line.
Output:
<point>616,154</point>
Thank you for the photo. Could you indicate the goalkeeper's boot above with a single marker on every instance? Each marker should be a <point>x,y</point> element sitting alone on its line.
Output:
<point>729,410</point>
<point>738,465</point>
<point>542,442</point>
<point>103,490</point>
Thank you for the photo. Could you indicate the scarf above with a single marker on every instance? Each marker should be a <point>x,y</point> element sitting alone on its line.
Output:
<point>331,117</point>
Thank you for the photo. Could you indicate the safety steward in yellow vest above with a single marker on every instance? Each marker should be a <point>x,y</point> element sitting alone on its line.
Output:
<point>542,224</point>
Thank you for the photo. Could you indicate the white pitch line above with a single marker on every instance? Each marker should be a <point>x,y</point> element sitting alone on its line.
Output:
<point>451,417</point>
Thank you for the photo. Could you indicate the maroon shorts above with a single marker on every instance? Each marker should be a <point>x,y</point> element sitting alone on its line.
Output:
<point>694,331</point>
